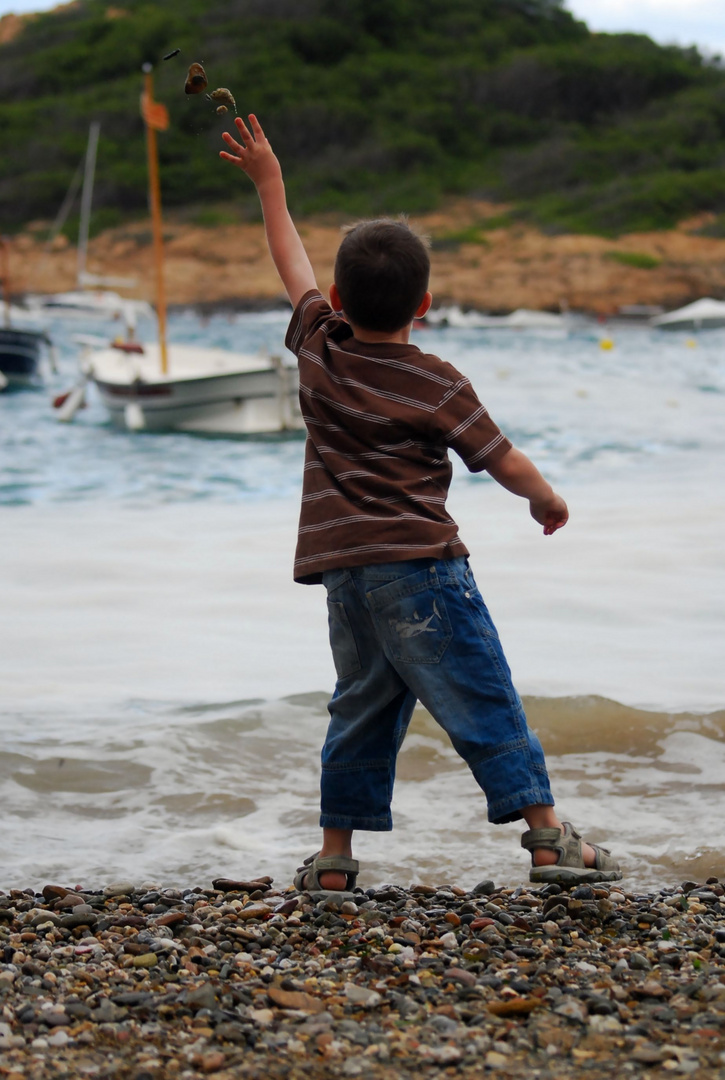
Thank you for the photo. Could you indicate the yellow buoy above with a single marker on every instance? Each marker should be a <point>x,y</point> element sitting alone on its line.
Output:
<point>606,343</point>
<point>691,343</point>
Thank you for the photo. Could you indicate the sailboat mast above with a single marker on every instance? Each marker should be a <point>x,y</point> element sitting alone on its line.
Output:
<point>87,199</point>
<point>155,201</point>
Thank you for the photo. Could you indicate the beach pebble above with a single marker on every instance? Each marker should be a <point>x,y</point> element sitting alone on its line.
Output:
<point>145,960</point>
<point>484,888</point>
<point>79,918</point>
<point>58,1039</point>
<point>201,997</point>
<point>7,1039</point>
<point>119,888</point>
<point>360,995</point>
<point>465,978</point>
<point>254,911</point>
<point>572,1009</point>
<point>494,1059</point>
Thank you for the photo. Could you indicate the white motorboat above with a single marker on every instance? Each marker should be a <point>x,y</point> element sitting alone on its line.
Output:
<point>206,391</point>
<point>523,319</point>
<point>88,304</point>
<point>705,314</point>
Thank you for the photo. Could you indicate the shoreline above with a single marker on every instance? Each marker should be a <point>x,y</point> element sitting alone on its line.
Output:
<point>481,267</point>
<point>241,979</point>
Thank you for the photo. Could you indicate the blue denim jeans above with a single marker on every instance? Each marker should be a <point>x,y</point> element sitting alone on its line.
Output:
<point>420,630</point>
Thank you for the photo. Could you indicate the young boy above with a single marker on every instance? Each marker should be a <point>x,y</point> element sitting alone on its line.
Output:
<point>406,619</point>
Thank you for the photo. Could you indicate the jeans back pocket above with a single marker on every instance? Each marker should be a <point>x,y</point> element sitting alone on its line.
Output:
<point>411,617</point>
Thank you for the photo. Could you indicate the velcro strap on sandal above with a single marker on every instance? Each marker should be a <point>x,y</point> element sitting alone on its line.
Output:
<point>343,863</point>
<point>541,838</point>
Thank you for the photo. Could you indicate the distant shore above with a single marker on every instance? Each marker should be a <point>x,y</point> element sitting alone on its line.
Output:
<point>494,269</point>
<point>243,980</point>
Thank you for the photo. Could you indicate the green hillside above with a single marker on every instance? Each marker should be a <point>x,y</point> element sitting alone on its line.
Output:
<point>372,105</point>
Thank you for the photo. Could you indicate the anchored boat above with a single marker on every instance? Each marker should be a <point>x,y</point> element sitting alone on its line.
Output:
<point>160,387</point>
<point>21,344</point>
<point>705,314</point>
<point>208,391</point>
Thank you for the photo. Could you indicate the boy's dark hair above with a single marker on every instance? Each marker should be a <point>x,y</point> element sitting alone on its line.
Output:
<point>381,273</point>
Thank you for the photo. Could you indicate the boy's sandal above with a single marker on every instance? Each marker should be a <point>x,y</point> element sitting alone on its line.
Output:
<point>307,878</point>
<point>569,868</point>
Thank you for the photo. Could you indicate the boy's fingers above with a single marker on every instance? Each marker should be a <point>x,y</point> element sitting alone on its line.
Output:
<point>230,141</point>
<point>243,130</point>
<point>256,127</point>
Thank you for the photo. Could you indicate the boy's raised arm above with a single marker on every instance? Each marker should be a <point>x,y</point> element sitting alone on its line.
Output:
<point>255,157</point>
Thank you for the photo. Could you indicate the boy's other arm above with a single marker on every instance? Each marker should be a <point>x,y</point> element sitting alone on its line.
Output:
<point>518,474</point>
<point>255,157</point>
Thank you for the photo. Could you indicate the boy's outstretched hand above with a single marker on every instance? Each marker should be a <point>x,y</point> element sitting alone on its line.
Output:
<point>518,474</point>
<point>254,155</point>
<point>552,513</point>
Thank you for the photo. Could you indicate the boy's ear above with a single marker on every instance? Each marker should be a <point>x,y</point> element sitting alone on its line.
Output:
<point>335,298</point>
<point>424,306</point>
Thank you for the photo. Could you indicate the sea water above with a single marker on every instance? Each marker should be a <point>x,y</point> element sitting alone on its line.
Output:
<point>164,682</point>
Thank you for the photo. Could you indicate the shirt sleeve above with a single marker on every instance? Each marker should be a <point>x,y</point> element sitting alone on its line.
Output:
<point>464,424</point>
<point>309,316</point>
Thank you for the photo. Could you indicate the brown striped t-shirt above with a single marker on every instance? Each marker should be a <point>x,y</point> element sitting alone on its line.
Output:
<point>380,419</point>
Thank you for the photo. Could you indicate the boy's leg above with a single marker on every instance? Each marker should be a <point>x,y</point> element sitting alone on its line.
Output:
<point>369,715</point>
<point>444,645</point>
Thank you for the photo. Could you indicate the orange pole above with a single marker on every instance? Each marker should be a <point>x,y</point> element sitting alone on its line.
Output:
<point>155,201</point>
<point>5,248</point>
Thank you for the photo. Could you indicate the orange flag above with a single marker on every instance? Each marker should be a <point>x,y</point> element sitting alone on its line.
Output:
<point>154,113</point>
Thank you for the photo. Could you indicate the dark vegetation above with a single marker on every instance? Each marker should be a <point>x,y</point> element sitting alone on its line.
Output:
<point>374,106</point>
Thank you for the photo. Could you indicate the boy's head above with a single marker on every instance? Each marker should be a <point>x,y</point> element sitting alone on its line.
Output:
<point>381,274</point>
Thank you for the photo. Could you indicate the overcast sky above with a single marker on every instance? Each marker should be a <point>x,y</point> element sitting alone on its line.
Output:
<point>684,22</point>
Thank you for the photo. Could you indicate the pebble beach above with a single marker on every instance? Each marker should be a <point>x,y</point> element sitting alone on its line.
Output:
<point>246,979</point>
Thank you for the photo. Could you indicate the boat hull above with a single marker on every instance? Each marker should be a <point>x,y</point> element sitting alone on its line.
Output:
<point>20,355</point>
<point>693,325</point>
<point>261,396</point>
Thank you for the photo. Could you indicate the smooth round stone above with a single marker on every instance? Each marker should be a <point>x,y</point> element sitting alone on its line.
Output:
<point>484,888</point>
<point>145,960</point>
<point>55,1018</point>
<point>70,900</point>
<point>44,917</point>
<point>119,888</point>
<point>254,911</point>
<point>69,922</point>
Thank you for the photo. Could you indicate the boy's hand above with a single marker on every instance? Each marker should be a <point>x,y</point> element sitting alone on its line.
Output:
<point>516,473</point>
<point>254,155</point>
<point>552,513</point>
